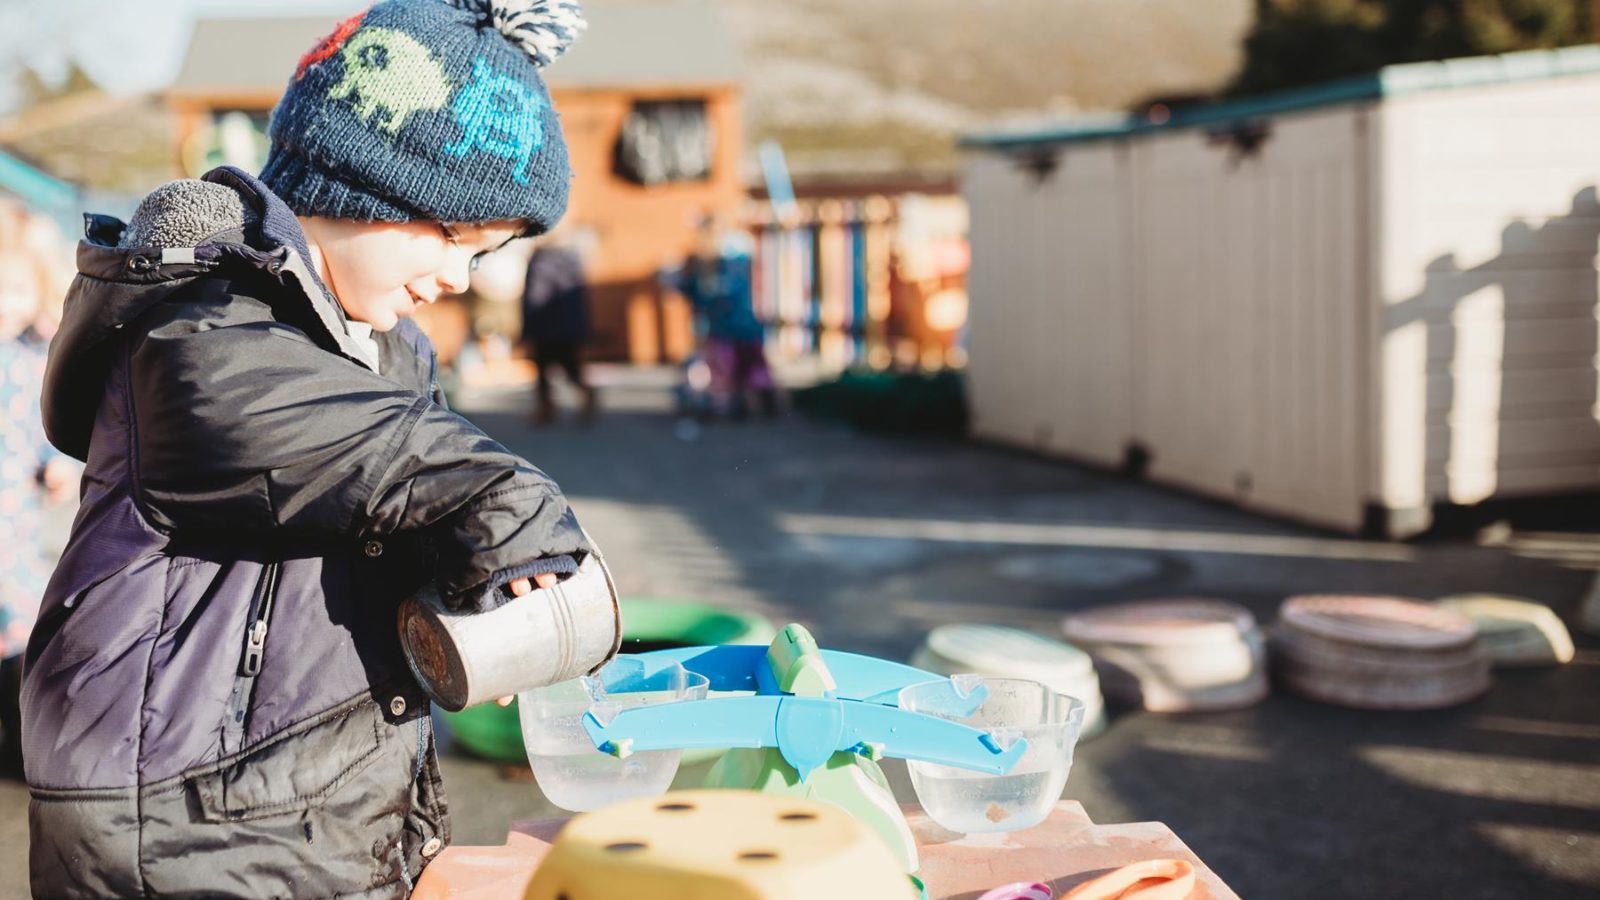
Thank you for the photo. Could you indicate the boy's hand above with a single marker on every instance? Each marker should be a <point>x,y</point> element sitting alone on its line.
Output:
<point>522,587</point>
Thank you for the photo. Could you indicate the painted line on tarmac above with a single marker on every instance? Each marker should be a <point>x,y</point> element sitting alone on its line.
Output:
<point>1105,537</point>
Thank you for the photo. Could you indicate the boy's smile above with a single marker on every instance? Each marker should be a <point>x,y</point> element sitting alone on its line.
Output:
<point>381,271</point>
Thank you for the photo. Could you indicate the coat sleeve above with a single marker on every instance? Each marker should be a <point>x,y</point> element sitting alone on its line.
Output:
<point>253,427</point>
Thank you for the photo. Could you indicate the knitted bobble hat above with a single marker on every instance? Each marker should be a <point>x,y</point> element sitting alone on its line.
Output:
<point>428,109</point>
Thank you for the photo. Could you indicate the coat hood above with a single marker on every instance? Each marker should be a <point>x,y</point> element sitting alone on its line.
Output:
<point>221,224</point>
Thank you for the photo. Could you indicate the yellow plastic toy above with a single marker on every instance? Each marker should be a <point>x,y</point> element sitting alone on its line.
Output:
<point>718,845</point>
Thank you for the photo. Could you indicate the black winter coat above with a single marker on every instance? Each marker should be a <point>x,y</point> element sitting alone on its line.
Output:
<point>216,702</point>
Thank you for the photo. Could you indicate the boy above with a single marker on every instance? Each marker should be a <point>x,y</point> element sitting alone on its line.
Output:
<point>216,702</point>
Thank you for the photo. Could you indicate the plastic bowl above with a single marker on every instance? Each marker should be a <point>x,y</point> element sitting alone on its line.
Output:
<point>571,772</point>
<point>971,802</point>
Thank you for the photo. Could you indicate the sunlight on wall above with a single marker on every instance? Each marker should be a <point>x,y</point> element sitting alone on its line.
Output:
<point>1475,374</point>
<point>1404,435</point>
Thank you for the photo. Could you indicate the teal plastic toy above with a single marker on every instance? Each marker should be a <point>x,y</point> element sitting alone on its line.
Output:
<point>494,732</point>
<point>811,723</point>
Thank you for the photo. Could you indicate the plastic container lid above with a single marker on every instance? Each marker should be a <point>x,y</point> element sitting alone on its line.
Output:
<point>1000,650</point>
<point>1396,622</point>
<point>1514,630</point>
<point>1379,652</point>
<point>1184,620</point>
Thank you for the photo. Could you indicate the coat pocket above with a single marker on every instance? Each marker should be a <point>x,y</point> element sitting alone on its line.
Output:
<point>297,769</point>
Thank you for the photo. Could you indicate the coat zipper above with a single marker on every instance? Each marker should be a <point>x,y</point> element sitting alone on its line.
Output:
<point>250,661</point>
<point>255,643</point>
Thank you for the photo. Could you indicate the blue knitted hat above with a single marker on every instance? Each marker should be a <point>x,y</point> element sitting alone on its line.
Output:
<point>428,109</point>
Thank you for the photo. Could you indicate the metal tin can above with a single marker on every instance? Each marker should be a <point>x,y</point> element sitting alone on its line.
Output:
<point>552,634</point>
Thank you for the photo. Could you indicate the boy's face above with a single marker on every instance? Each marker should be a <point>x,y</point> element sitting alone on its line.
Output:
<point>381,271</point>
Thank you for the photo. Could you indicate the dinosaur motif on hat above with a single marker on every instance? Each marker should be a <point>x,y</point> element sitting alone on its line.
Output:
<point>389,71</point>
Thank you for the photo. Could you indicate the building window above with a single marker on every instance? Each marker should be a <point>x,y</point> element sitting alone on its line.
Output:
<point>664,142</point>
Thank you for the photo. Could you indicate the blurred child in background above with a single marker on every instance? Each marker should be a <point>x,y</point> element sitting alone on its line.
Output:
<point>716,278</point>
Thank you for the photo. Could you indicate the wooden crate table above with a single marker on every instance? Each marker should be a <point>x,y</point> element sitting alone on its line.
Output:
<point>1065,850</point>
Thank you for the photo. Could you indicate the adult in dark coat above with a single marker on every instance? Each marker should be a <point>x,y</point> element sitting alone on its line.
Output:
<point>555,323</point>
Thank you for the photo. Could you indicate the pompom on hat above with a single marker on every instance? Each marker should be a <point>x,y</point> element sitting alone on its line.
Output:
<point>428,109</point>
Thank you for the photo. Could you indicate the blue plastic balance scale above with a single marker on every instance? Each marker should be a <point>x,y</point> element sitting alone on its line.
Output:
<point>808,722</point>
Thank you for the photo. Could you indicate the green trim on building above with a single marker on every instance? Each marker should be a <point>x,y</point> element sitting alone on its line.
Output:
<point>1391,81</point>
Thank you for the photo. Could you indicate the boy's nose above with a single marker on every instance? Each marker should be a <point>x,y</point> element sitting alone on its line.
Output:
<point>456,274</point>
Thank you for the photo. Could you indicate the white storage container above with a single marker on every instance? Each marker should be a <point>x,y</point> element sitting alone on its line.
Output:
<point>1344,304</point>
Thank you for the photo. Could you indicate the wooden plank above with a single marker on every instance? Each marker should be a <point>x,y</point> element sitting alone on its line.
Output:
<point>1065,850</point>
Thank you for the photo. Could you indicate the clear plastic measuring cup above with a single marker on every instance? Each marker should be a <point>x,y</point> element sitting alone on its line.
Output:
<point>972,802</point>
<point>570,771</point>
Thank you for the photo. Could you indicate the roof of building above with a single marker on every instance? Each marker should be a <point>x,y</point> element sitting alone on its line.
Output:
<point>99,142</point>
<point>1391,81</point>
<point>663,42</point>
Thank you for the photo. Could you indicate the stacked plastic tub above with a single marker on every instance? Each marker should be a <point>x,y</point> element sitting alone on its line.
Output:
<point>1174,655</point>
<point>1014,653</point>
<point>1378,652</point>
